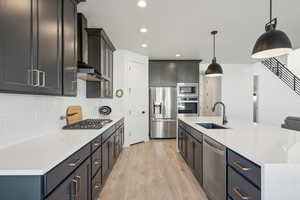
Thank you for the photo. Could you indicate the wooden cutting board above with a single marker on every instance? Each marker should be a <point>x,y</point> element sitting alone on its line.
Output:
<point>74,114</point>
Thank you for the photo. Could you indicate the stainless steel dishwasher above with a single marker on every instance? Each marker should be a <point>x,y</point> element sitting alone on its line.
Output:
<point>214,169</point>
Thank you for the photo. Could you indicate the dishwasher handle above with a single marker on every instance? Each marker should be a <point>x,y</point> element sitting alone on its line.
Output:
<point>214,147</point>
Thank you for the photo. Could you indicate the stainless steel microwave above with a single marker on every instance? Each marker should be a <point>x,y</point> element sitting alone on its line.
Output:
<point>187,89</point>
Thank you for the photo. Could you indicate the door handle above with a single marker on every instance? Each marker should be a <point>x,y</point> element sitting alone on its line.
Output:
<point>143,112</point>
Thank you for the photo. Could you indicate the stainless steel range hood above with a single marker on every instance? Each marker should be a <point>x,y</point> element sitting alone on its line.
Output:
<point>89,73</point>
<point>84,70</point>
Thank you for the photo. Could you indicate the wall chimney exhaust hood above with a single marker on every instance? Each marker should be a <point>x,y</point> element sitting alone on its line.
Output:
<point>84,70</point>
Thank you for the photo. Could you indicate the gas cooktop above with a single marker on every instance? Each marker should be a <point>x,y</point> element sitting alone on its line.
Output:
<point>88,124</point>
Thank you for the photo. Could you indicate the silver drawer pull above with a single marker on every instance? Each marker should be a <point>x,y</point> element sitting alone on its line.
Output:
<point>96,144</point>
<point>241,167</point>
<point>97,162</point>
<point>97,187</point>
<point>75,163</point>
<point>239,194</point>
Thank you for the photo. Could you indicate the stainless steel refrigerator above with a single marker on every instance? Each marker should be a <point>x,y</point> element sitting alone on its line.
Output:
<point>163,112</point>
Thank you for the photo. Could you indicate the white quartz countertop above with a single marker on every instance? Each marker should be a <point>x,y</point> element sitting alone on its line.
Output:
<point>264,145</point>
<point>39,155</point>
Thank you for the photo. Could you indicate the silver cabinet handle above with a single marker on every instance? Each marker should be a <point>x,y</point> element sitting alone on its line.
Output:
<point>240,166</point>
<point>74,189</point>
<point>75,163</point>
<point>43,79</point>
<point>239,194</point>
<point>97,162</point>
<point>35,78</point>
<point>97,186</point>
<point>96,144</point>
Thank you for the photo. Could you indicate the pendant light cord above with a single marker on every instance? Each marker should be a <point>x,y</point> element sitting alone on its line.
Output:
<point>214,46</point>
<point>271,10</point>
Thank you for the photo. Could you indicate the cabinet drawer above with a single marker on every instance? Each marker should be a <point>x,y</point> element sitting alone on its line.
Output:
<point>96,161</point>
<point>245,167</point>
<point>61,171</point>
<point>239,188</point>
<point>76,185</point>
<point>196,134</point>
<point>96,143</point>
<point>108,133</point>
<point>96,185</point>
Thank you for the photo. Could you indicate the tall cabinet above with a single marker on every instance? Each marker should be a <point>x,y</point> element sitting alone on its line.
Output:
<point>32,51</point>
<point>100,56</point>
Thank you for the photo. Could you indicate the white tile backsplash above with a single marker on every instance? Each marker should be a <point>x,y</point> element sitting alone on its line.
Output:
<point>25,116</point>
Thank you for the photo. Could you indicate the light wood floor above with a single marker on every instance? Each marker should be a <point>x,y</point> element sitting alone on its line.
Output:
<point>152,171</point>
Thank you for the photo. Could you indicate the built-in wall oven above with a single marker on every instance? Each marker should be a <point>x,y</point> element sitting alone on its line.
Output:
<point>187,99</point>
<point>188,106</point>
<point>187,89</point>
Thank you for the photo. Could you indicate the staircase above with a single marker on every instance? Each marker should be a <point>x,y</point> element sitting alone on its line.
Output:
<point>283,73</point>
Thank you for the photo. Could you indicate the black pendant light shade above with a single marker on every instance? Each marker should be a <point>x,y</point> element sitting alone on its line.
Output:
<point>273,42</point>
<point>214,69</point>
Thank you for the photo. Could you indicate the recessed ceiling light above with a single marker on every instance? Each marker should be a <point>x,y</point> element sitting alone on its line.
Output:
<point>178,55</point>
<point>144,45</point>
<point>143,30</point>
<point>142,3</point>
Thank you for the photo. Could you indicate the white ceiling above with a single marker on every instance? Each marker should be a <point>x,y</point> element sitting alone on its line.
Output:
<point>183,26</point>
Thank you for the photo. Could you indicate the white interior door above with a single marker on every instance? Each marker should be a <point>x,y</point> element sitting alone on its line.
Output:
<point>137,82</point>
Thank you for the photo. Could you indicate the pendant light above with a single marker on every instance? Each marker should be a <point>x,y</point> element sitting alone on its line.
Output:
<point>273,42</point>
<point>214,69</point>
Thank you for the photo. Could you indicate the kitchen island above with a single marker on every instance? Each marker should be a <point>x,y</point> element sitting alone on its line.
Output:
<point>272,151</point>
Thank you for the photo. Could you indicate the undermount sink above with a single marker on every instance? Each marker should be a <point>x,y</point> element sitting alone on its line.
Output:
<point>211,126</point>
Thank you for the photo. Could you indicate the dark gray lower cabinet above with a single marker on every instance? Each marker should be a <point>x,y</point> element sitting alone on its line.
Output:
<point>198,161</point>
<point>243,177</point>
<point>105,160</point>
<point>77,186</point>
<point>191,149</point>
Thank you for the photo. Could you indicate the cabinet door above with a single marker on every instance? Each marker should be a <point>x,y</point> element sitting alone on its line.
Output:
<point>198,161</point>
<point>49,45</point>
<point>105,161</point>
<point>154,73</point>
<point>77,186</point>
<point>190,151</point>
<point>187,72</point>
<point>168,74</point>
<point>16,61</point>
<point>180,135</point>
<point>184,144</point>
<point>111,152</point>
<point>69,48</point>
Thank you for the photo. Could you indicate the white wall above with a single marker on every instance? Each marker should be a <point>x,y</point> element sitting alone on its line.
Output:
<point>293,62</point>
<point>236,90</point>
<point>25,116</point>
<point>276,100</point>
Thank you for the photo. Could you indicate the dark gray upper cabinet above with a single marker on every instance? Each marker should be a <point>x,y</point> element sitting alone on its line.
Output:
<point>49,46</point>
<point>69,48</point>
<point>162,73</point>
<point>171,72</point>
<point>187,72</point>
<point>100,56</point>
<point>30,53</point>
<point>168,74</point>
<point>16,63</point>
